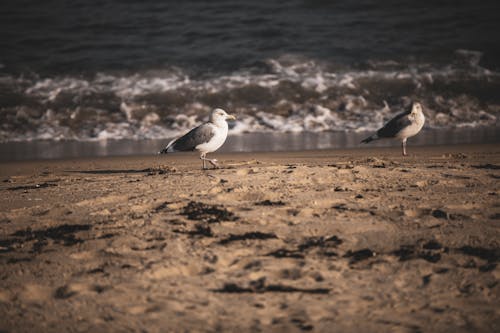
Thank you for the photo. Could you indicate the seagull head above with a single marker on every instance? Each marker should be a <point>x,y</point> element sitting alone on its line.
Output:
<point>416,108</point>
<point>417,113</point>
<point>219,116</point>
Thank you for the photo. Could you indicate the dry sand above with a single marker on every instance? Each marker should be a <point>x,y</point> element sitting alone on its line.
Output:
<point>325,241</point>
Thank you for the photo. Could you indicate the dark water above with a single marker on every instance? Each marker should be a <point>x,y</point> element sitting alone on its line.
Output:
<point>88,36</point>
<point>90,69</point>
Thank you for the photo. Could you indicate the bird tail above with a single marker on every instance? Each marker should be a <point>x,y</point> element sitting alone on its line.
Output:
<point>164,151</point>
<point>169,148</point>
<point>370,138</point>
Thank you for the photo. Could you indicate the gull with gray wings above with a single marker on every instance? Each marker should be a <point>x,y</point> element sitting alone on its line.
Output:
<point>206,138</point>
<point>401,127</point>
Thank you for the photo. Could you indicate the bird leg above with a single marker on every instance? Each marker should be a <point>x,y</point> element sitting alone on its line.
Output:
<point>202,157</point>
<point>211,161</point>
<point>214,163</point>
<point>403,146</point>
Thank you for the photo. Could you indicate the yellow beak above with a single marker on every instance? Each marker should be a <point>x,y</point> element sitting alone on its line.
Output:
<point>230,117</point>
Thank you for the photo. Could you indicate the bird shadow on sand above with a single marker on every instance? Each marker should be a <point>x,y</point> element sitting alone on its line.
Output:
<point>109,171</point>
<point>148,171</point>
<point>105,172</point>
<point>161,170</point>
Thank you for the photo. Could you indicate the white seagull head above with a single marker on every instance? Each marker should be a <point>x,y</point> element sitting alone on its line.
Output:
<point>416,108</point>
<point>219,117</point>
<point>416,113</point>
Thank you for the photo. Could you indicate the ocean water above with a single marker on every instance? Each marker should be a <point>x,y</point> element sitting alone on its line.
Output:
<point>130,70</point>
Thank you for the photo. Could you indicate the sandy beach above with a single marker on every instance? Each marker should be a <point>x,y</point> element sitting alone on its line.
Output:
<point>359,240</point>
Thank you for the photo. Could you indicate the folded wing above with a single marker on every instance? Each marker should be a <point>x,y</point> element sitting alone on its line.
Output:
<point>191,140</point>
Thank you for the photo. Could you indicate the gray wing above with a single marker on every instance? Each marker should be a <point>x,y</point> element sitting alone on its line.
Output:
<point>193,138</point>
<point>395,125</point>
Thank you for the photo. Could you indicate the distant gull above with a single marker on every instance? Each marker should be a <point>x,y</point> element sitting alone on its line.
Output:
<point>206,138</point>
<point>401,127</point>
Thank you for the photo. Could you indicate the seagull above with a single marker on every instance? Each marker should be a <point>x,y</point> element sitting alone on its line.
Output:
<point>401,127</point>
<point>206,138</point>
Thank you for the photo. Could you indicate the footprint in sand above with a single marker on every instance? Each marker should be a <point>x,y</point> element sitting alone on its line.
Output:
<point>78,288</point>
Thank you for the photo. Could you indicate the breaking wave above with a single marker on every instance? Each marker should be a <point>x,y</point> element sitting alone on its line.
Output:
<point>286,94</point>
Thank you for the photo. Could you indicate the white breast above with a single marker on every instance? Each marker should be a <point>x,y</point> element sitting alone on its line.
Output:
<point>217,140</point>
<point>416,125</point>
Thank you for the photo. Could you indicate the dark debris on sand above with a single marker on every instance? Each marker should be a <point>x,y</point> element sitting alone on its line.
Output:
<point>285,253</point>
<point>431,254</point>
<point>248,235</point>
<point>64,234</point>
<point>199,211</point>
<point>31,187</point>
<point>270,203</point>
<point>321,241</point>
<point>199,230</point>
<point>260,286</point>
<point>359,255</point>
<point>490,255</point>
<point>487,166</point>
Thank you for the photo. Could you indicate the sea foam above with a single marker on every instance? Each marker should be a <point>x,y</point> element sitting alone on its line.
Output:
<point>286,94</point>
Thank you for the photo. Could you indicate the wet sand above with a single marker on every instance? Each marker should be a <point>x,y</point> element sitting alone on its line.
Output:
<point>324,241</point>
<point>245,142</point>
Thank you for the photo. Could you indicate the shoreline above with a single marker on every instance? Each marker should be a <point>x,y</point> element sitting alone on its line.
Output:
<point>189,161</point>
<point>354,239</point>
<point>246,142</point>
